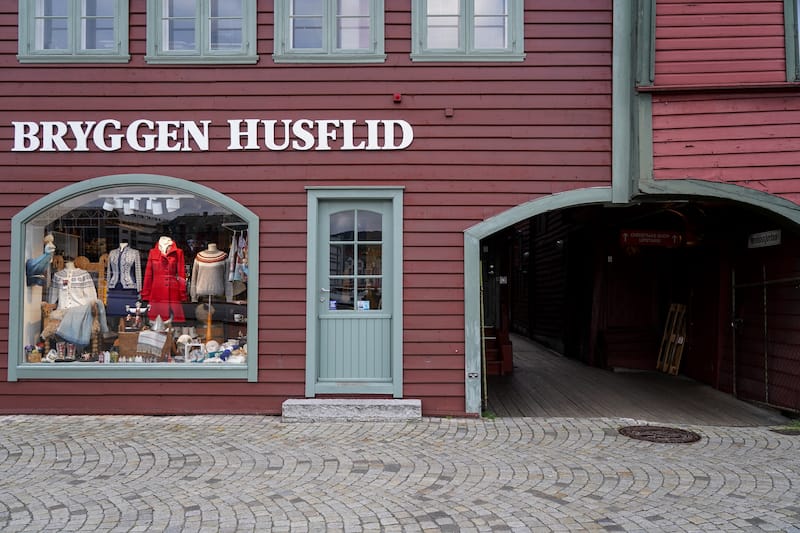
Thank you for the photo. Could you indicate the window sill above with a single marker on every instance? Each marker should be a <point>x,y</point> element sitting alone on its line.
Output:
<point>69,58</point>
<point>124,371</point>
<point>462,57</point>
<point>329,58</point>
<point>201,60</point>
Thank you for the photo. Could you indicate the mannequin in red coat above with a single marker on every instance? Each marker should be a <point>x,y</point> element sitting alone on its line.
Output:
<point>164,285</point>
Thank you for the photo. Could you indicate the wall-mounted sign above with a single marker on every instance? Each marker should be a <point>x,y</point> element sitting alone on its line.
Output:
<point>764,239</point>
<point>143,135</point>
<point>664,239</point>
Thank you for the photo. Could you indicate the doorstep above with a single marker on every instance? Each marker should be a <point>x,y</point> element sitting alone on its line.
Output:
<point>351,410</point>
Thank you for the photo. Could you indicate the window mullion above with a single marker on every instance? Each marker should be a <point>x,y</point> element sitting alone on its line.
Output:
<point>330,20</point>
<point>467,22</point>
<point>202,30</point>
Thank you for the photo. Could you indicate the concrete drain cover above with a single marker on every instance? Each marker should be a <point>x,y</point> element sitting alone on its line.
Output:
<point>659,434</point>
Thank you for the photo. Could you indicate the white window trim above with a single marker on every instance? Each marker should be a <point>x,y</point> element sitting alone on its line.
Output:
<point>202,53</point>
<point>27,52</point>
<point>515,51</point>
<point>328,54</point>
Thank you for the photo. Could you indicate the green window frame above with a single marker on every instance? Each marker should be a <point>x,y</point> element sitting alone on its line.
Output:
<point>73,31</point>
<point>323,26</point>
<point>467,30</point>
<point>26,243</point>
<point>196,32</point>
<point>791,9</point>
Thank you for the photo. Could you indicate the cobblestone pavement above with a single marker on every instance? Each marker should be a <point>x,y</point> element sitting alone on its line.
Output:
<point>254,473</point>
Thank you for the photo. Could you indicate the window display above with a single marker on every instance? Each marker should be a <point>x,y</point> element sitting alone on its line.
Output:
<point>135,275</point>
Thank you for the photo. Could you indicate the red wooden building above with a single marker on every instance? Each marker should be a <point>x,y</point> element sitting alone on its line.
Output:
<point>363,168</point>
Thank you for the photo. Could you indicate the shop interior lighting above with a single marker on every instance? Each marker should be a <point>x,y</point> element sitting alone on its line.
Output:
<point>153,203</point>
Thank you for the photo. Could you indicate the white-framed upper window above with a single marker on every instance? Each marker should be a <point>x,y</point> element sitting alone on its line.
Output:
<point>467,30</point>
<point>73,31</point>
<point>329,31</point>
<point>201,31</point>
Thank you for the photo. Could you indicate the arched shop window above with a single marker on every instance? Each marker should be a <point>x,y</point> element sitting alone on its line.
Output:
<point>135,276</point>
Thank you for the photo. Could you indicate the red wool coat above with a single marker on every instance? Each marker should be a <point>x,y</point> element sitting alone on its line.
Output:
<point>164,285</point>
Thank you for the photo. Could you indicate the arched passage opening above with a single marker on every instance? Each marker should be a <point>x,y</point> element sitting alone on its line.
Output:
<point>604,284</point>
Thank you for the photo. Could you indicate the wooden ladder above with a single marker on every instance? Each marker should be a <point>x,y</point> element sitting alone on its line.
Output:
<point>673,340</point>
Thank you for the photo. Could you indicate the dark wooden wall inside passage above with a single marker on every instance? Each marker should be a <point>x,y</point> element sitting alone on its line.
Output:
<point>518,131</point>
<point>767,343</point>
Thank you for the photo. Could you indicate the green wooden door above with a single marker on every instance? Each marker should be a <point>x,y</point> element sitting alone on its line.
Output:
<point>354,295</point>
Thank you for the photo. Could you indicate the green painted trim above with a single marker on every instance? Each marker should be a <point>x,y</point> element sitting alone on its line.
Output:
<point>622,98</point>
<point>645,42</point>
<point>466,58</point>
<point>201,60</point>
<point>644,139</point>
<point>328,53</point>
<point>44,58</point>
<point>27,52</point>
<point>467,52</point>
<point>18,370</point>
<point>790,21</point>
<point>315,194</point>
<point>293,57</point>
<point>472,238</point>
<point>202,53</point>
<point>736,193</point>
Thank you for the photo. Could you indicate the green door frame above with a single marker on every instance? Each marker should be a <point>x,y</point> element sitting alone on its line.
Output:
<point>395,196</point>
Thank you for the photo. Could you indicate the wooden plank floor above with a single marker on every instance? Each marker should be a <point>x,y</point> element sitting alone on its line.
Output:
<point>545,384</point>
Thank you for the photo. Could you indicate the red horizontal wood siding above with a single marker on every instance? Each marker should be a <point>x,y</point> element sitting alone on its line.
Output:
<point>708,42</point>
<point>518,131</point>
<point>751,140</point>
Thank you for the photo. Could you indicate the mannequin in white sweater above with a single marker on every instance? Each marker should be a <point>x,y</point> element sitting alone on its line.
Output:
<point>208,273</point>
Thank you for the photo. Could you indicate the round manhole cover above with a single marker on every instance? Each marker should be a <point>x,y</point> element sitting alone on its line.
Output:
<point>659,434</point>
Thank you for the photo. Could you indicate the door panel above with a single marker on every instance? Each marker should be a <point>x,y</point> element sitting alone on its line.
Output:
<point>353,311</point>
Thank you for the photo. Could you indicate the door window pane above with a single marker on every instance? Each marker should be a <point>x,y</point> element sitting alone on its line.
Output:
<point>369,259</point>
<point>341,259</point>
<point>369,294</point>
<point>341,297</point>
<point>369,225</point>
<point>342,226</point>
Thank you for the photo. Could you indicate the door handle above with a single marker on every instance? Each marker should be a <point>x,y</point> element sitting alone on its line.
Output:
<point>324,290</point>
